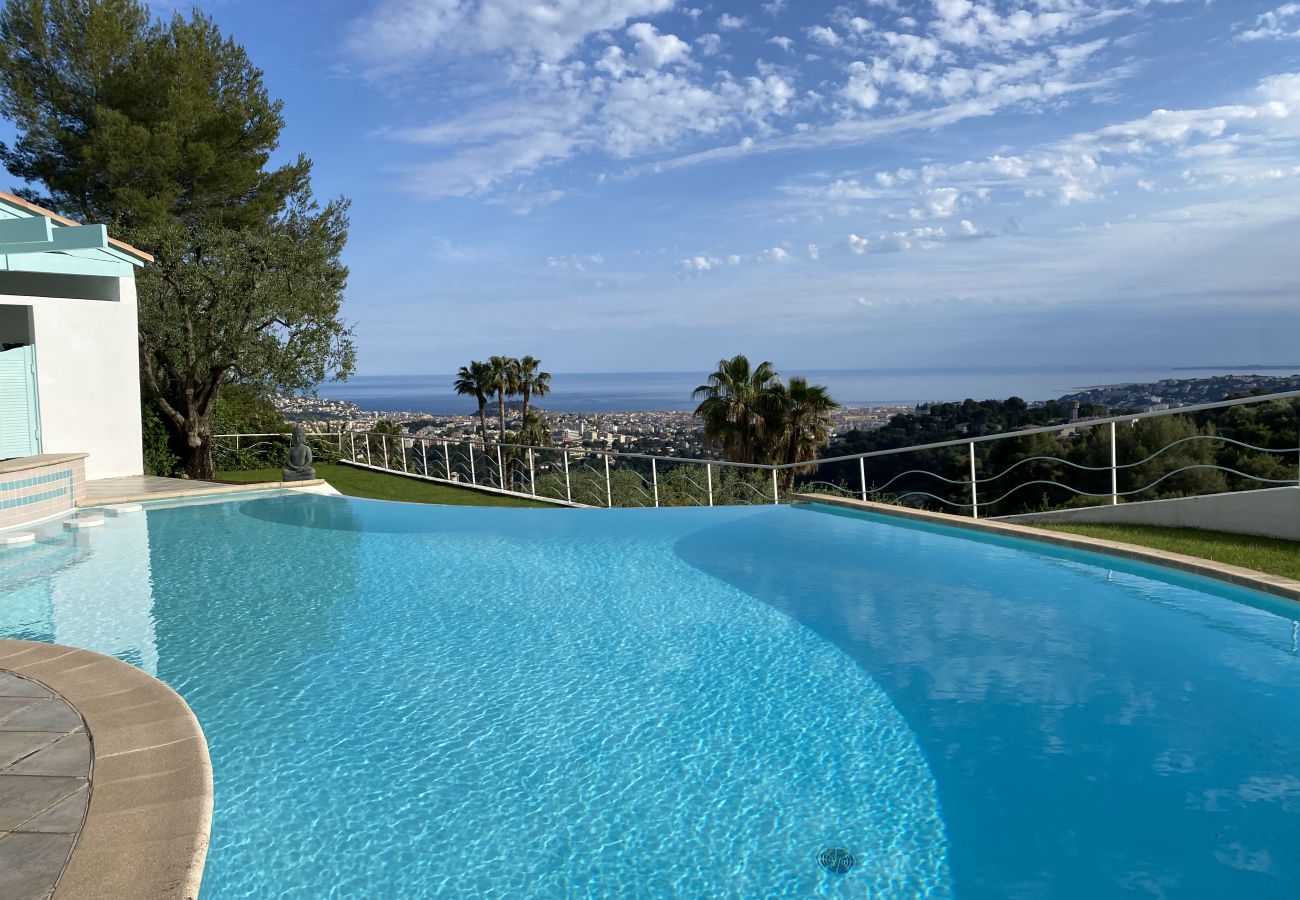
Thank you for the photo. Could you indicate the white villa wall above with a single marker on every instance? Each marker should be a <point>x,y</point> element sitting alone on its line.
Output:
<point>1271,512</point>
<point>88,378</point>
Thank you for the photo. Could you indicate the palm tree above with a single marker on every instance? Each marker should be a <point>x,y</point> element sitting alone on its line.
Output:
<point>736,408</point>
<point>805,423</point>
<point>532,383</point>
<point>533,431</point>
<point>475,380</point>
<point>384,428</point>
<point>504,383</point>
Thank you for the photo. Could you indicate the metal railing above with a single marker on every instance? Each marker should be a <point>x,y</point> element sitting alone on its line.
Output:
<point>969,483</point>
<point>592,477</point>
<point>567,476</point>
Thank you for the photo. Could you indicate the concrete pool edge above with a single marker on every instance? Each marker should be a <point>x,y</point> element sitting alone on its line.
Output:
<point>149,817</point>
<point>1274,585</point>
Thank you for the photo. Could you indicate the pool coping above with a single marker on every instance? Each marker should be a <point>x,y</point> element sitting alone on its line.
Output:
<point>149,816</point>
<point>1275,585</point>
<point>183,493</point>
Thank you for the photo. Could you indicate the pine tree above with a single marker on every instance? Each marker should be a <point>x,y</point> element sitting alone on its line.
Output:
<point>164,131</point>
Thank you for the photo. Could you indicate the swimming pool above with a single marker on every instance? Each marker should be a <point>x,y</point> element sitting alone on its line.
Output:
<point>406,701</point>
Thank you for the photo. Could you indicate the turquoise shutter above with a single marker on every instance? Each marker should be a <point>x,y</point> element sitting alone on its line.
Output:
<point>20,424</point>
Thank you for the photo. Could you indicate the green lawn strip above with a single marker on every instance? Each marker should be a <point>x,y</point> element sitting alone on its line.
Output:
<point>1277,557</point>
<point>377,486</point>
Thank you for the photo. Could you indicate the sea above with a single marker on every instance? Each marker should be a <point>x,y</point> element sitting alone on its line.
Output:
<point>597,392</point>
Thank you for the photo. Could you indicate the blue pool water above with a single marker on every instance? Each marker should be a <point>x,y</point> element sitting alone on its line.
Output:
<point>410,701</point>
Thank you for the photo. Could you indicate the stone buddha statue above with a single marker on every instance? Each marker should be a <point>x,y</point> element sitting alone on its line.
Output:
<point>299,468</point>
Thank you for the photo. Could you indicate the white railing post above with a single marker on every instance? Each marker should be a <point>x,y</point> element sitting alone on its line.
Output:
<point>776,491</point>
<point>1114,469</point>
<point>654,478</point>
<point>862,476</point>
<point>532,474</point>
<point>609,492</point>
<point>568,489</point>
<point>340,441</point>
<point>401,448</point>
<point>386,466</point>
<point>424,455</point>
<point>501,470</point>
<point>352,443</point>
<point>708,473</point>
<point>974,495</point>
<point>473,477</point>
<point>236,443</point>
<point>446,459</point>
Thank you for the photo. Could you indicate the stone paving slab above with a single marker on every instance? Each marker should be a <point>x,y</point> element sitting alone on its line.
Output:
<point>69,755</point>
<point>30,864</point>
<point>13,686</point>
<point>52,714</point>
<point>45,759</point>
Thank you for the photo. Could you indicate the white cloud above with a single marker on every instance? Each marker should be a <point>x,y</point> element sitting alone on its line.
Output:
<point>640,95</point>
<point>859,245</point>
<point>814,252</point>
<point>578,263</point>
<point>1280,23</point>
<point>407,29</point>
<point>655,50</point>
<point>700,263</point>
<point>968,24</point>
<point>710,44</point>
<point>823,34</point>
<point>728,22</point>
<point>775,254</point>
<point>859,89</point>
<point>941,203</point>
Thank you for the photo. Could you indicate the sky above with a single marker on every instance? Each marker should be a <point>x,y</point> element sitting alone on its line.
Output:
<point>649,185</point>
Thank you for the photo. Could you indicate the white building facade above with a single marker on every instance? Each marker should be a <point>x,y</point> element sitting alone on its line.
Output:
<point>69,356</point>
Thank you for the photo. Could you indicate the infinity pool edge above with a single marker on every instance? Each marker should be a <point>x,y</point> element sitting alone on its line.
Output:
<point>1274,585</point>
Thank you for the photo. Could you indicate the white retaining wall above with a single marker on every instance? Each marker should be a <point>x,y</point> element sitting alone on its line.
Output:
<point>1272,512</point>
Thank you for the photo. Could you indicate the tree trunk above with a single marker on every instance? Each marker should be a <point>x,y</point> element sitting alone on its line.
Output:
<point>482,420</point>
<point>501,412</point>
<point>197,457</point>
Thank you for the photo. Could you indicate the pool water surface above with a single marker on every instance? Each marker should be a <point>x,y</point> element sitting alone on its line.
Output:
<point>407,701</point>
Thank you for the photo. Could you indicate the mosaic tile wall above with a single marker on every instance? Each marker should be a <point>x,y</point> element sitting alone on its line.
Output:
<point>40,492</point>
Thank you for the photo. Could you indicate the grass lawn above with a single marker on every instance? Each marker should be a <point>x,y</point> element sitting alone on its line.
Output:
<point>1277,557</point>
<point>378,486</point>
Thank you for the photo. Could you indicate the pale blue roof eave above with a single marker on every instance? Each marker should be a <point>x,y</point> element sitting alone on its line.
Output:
<point>103,263</point>
<point>106,261</point>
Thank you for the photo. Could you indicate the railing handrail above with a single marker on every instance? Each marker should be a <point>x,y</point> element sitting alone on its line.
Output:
<point>969,443</point>
<point>1049,429</point>
<point>911,448</point>
<point>479,442</point>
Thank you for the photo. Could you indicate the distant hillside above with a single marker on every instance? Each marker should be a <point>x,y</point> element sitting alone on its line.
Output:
<point>1182,391</point>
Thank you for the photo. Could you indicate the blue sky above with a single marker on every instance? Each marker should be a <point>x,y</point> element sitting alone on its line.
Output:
<point>624,185</point>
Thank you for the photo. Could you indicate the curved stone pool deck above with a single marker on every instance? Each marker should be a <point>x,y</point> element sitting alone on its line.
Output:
<point>105,780</point>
